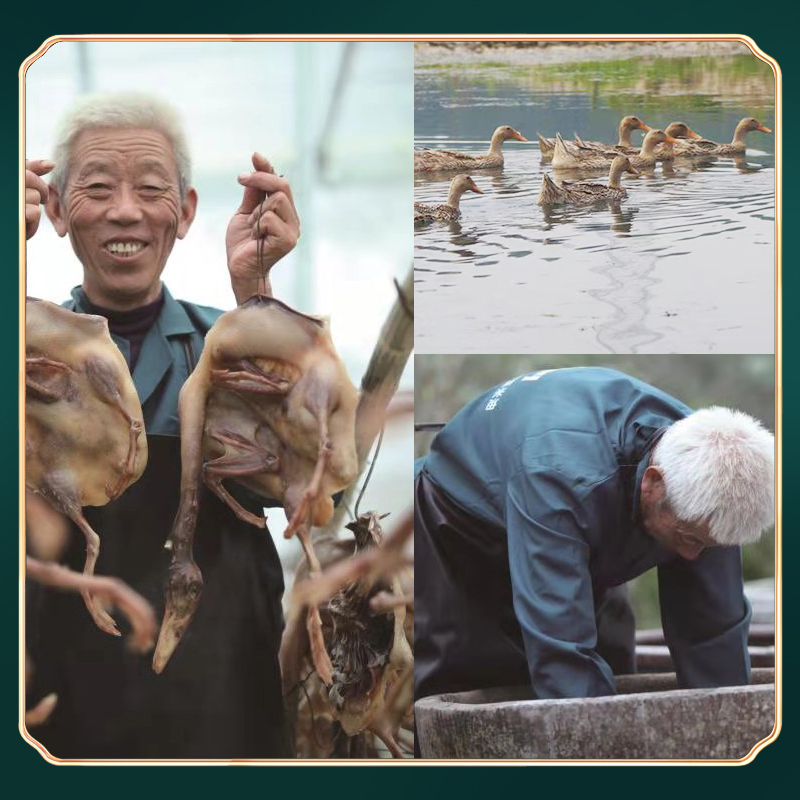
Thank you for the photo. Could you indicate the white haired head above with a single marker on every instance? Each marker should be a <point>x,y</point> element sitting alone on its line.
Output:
<point>123,110</point>
<point>718,467</point>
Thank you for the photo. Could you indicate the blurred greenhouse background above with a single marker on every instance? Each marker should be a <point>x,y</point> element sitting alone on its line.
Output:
<point>335,118</point>
<point>744,382</point>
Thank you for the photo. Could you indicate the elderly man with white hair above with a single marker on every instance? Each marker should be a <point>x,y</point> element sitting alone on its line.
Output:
<point>544,494</point>
<point>121,190</point>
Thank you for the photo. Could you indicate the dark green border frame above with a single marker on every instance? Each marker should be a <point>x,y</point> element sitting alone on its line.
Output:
<point>775,36</point>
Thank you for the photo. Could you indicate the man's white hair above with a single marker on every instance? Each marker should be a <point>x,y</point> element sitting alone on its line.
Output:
<point>122,110</point>
<point>718,467</point>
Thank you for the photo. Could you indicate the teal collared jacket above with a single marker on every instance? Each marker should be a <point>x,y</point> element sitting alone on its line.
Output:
<point>169,353</point>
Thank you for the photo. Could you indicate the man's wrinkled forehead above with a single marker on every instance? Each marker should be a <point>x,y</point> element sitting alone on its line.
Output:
<point>96,165</point>
<point>110,150</point>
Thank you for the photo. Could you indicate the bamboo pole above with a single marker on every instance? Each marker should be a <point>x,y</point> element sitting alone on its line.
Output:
<point>379,384</point>
<point>385,367</point>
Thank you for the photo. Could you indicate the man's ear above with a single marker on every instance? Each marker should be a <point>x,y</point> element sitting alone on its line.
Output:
<point>55,211</point>
<point>653,483</point>
<point>188,211</point>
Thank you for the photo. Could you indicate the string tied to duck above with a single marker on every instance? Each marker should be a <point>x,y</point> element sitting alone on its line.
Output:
<point>262,269</point>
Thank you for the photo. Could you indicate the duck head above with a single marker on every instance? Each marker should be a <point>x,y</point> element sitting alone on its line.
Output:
<point>749,124</point>
<point>503,133</point>
<point>680,130</point>
<point>629,124</point>
<point>654,138</point>
<point>459,185</point>
<point>184,585</point>
<point>619,165</point>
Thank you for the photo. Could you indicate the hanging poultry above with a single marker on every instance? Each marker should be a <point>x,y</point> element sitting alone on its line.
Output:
<point>368,628</point>
<point>368,650</point>
<point>270,406</point>
<point>84,442</point>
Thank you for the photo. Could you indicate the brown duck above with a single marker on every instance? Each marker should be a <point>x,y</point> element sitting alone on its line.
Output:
<point>626,126</point>
<point>439,160</point>
<point>587,192</point>
<point>585,158</point>
<point>737,145</point>
<point>449,210</point>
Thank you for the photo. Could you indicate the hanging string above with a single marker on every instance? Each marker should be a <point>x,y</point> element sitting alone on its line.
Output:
<point>261,279</point>
<point>369,473</point>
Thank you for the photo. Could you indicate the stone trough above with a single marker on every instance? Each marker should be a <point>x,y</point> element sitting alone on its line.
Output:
<point>649,718</point>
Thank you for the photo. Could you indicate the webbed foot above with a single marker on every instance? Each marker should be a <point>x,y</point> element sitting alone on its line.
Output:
<point>248,379</point>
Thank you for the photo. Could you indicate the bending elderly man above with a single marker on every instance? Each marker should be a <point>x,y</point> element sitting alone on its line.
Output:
<point>121,190</point>
<point>546,492</point>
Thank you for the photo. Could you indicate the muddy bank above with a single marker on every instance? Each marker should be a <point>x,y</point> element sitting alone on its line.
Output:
<point>443,54</point>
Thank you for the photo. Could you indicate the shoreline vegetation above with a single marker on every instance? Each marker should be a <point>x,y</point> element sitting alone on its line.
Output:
<point>664,78</point>
<point>445,54</point>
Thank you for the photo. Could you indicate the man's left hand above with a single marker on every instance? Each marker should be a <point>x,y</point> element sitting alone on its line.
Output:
<point>272,228</point>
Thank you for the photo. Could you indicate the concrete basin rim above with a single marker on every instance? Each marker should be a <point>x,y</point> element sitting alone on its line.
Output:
<point>436,703</point>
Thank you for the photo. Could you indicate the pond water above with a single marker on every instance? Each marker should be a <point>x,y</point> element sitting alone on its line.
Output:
<point>684,264</point>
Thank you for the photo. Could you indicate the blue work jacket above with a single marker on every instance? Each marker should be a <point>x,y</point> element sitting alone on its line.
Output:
<point>527,508</point>
<point>168,355</point>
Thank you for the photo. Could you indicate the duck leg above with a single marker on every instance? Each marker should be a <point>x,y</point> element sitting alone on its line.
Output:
<point>246,459</point>
<point>65,499</point>
<point>101,618</point>
<point>106,383</point>
<point>319,653</point>
<point>300,523</point>
<point>387,737</point>
<point>302,513</point>
<point>130,603</point>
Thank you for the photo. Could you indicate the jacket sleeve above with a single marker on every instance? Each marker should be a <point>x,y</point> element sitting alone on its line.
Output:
<point>706,618</point>
<point>552,587</point>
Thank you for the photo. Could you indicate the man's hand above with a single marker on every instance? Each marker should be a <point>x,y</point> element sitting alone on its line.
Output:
<point>274,228</point>
<point>36,193</point>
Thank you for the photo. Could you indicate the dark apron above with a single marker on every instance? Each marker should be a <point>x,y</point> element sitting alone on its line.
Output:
<point>220,694</point>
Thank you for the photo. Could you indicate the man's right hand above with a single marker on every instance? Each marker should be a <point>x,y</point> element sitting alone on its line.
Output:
<point>36,193</point>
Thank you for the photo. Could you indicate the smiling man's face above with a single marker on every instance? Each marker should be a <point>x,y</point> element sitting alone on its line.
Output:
<point>122,210</point>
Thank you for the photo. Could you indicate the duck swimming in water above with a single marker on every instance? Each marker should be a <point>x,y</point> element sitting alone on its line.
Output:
<point>664,151</point>
<point>587,192</point>
<point>439,160</point>
<point>683,147</point>
<point>576,157</point>
<point>737,145</point>
<point>449,210</point>
<point>626,126</point>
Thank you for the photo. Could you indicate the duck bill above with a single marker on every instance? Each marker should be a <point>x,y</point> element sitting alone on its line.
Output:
<point>672,140</point>
<point>763,129</point>
<point>475,189</point>
<point>692,135</point>
<point>633,170</point>
<point>519,137</point>
<point>172,628</point>
<point>644,127</point>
